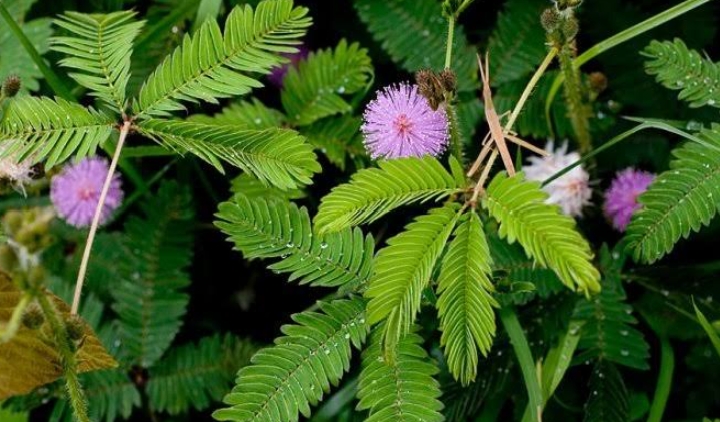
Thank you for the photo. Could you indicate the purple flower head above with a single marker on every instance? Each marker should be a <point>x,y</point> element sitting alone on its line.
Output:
<point>75,192</point>
<point>621,198</point>
<point>401,123</point>
<point>277,73</point>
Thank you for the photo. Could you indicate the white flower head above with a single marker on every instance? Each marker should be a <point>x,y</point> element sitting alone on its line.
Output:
<point>572,190</point>
<point>17,173</point>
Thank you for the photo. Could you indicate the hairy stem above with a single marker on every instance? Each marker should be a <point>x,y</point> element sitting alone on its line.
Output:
<point>96,218</point>
<point>69,360</point>
<point>527,364</point>
<point>664,383</point>
<point>51,77</point>
<point>578,110</point>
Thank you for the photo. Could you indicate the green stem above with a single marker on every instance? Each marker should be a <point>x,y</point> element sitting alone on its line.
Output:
<point>664,384</point>
<point>649,124</point>
<point>69,361</point>
<point>8,332</point>
<point>619,38</point>
<point>527,364</point>
<point>52,79</point>
<point>450,39</point>
<point>529,88</point>
<point>456,147</point>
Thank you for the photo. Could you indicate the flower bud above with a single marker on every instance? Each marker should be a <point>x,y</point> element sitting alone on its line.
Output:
<point>570,28</point>
<point>75,328</point>
<point>550,19</point>
<point>11,86</point>
<point>33,317</point>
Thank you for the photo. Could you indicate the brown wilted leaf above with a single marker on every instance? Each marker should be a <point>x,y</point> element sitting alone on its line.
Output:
<point>30,359</point>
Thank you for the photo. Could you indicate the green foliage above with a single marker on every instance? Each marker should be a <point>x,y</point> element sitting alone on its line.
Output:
<point>517,45</point>
<point>249,115</point>
<point>148,299</point>
<point>403,270</point>
<point>270,228</point>
<point>53,130</point>
<point>678,68</point>
<point>512,265</point>
<point>196,375</point>
<point>414,33</point>
<point>253,188</point>
<point>316,87</point>
<point>399,390</point>
<point>277,156</point>
<point>465,305</point>
<point>14,59</point>
<point>338,138</point>
<point>99,51</point>
<point>286,379</point>
<point>608,401</point>
<point>547,236</point>
<point>372,193</point>
<point>680,200</point>
<point>608,333</point>
<point>710,330</point>
<point>207,65</point>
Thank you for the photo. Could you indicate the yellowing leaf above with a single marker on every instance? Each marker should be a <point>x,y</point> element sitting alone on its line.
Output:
<point>31,358</point>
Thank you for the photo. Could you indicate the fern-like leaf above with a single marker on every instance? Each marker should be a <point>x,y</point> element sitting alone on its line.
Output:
<point>100,51</point>
<point>608,333</point>
<point>403,270</point>
<point>250,115</point>
<point>678,68</point>
<point>284,380</point>
<point>465,305</point>
<point>517,45</point>
<point>679,201</point>
<point>548,236</point>
<point>372,193</point>
<point>263,228</point>
<point>149,299</point>
<point>414,33</point>
<point>253,188</point>
<point>277,156</point>
<point>608,401</point>
<point>211,64</point>
<point>315,88</point>
<point>399,391</point>
<point>52,130</point>
<point>195,376</point>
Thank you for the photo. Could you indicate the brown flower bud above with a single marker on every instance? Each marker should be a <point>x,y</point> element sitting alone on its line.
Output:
<point>75,328</point>
<point>430,87</point>
<point>570,28</point>
<point>11,86</point>
<point>33,317</point>
<point>550,19</point>
<point>448,80</point>
<point>598,82</point>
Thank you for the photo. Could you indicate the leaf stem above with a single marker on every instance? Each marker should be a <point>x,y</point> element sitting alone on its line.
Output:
<point>530,87</point>
<point>527,364</point>
<point>96,218</point>
<point>8,332</point>
<point>648,124</point>
<point>450,40</point>
<point>664,384</point>
<point>51,77</point>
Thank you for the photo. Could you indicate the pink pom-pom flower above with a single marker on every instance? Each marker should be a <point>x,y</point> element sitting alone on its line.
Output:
<point>621,197</point>
<point>401,123</point>
<point>75,192</point>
